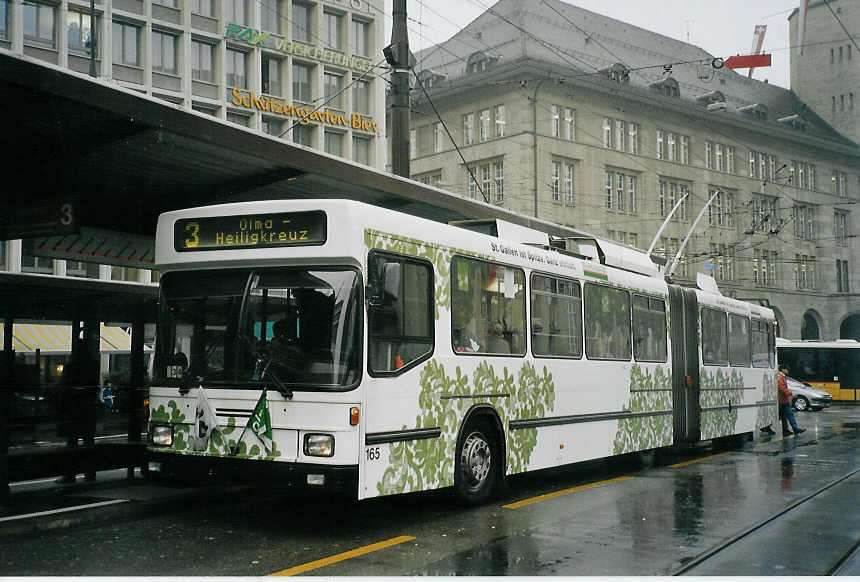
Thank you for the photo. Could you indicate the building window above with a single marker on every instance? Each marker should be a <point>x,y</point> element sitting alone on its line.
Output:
<point>804,272</point>
<point>620,189</point>
<point>499,117</point>
<point>468,128</point>
<point>661,155</point>
<point>668,195</point>
<point>205,109</point>
<point>484,125</point>
<point>272,126</point>
<point>360,36</point>
<point>126,40</point>
<point>764,217</point>
<point>671,147</point>
<point>4,23</point>
<point>840,227</point>
<point>722,261</point>
<point>236,11</point>
<point>568,187</point>
<point>607,132</point>
<point>361,96</point>
<point>721,211</point>
<point>633,138</point>
<point>78,31</point>
<point>202,61</point>
<point>333,89</point>
<point>39,24</point>
<point>334,143</point>
<point>270,16</point>
<point>620,133</point>
<point>685,150</point>
<point>839,180</point>
<point>303,135</point>
<point>720,157</point>
<point>202,7</point>
<point>302,83</point>
<point>569,132</point>
<point>302,22</point>
<point>235,68</point>
<point>271,75</point>
<point>555,121</point>
<point>332,36</point>
<point>438,137</point>
<point>471,181</point>
<point>485,180</point>
<point>764,267</point>
<point>556,181</point>
<point>804,221</point>
<point>238,119</point>
<point>361,150</point>
<point>842,276</point>
<point>499,171</point>
<point>163,52</point>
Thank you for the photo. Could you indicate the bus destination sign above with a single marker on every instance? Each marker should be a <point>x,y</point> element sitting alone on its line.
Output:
<point>278,229</point>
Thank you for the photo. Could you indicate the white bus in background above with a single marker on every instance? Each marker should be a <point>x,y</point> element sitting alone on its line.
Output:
<point>330,343</point>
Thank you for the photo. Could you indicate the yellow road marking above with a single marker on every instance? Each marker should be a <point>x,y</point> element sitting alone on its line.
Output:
<point>343,556</point>
<point>685,463</point>
<point>770,442</point>
<point>530,500</point>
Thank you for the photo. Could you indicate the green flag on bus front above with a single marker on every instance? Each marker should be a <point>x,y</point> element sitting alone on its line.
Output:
<point>261,423</point>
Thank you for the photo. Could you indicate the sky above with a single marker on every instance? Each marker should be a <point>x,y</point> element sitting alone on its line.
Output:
<point>721,27</point>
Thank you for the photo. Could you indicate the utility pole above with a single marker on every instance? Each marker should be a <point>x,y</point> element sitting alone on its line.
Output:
<point>398,56</point>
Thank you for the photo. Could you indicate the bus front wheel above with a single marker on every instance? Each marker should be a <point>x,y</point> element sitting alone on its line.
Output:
<point>478,461</point>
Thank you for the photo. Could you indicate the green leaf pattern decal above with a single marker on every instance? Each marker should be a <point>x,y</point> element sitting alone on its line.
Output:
<point>768,414</point>
<point>429,463</point>
<point>650,391</point>
<point>219,444</point>
<point>719,389</point>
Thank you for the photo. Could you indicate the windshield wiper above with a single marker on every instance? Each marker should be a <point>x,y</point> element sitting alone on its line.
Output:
<point>261,367</point>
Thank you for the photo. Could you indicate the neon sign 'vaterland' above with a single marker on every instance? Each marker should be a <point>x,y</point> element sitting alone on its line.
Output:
<point>295,48</point>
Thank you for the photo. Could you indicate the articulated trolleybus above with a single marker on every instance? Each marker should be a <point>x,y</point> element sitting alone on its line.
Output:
<point>335,344</point>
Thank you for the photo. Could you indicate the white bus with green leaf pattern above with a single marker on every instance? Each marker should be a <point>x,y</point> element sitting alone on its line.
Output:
<point>334,344</point>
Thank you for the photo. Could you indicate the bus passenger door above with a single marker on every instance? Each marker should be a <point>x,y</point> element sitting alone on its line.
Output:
<point>684,331</point>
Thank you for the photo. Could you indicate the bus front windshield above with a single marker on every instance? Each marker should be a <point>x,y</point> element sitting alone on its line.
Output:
<point>244,328</point>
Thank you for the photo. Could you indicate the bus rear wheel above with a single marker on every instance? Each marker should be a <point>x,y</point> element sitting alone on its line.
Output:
<point>478,463</point>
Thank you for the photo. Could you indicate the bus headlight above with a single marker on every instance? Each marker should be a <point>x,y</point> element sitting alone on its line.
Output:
<point>161,435</point>
<point>319,445</point>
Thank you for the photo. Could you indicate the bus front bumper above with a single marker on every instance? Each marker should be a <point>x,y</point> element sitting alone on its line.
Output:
<point>215,470</point>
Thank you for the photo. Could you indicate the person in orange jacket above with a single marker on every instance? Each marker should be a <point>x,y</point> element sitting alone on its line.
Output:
<point>786,415</point>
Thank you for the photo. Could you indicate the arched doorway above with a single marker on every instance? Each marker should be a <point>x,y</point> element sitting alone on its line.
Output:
<point>809,328</point>
<point>850,328</point>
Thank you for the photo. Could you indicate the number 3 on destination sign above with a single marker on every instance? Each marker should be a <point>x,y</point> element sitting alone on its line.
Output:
<point>194,229</point>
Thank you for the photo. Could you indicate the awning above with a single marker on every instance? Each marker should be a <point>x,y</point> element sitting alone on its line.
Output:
<point>57,338</point>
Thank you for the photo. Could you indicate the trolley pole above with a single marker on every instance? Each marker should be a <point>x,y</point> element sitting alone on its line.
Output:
<point>397,55</point>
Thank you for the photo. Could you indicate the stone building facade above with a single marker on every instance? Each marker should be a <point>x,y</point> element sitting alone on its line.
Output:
<point>570,116</point>
<point>825,67</point>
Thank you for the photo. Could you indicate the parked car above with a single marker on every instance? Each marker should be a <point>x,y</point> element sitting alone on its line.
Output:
<point>806,397</point>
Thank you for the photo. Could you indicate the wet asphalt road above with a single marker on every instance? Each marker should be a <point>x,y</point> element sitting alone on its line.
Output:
<point>605,518</point>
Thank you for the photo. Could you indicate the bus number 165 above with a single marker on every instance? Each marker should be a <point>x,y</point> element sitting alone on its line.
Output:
<point>372,453</point>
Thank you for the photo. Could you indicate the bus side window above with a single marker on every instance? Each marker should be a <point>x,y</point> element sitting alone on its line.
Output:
<point>401,323</point>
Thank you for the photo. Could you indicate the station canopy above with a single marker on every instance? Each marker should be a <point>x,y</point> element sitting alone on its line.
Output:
<point>56,338</point>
